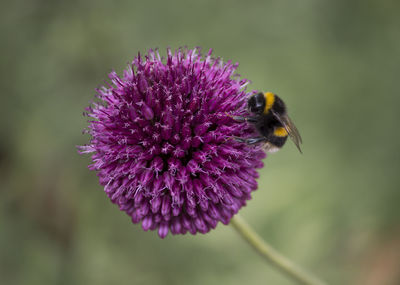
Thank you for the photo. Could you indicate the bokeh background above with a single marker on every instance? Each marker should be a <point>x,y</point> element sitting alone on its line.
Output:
<point>334,209</point>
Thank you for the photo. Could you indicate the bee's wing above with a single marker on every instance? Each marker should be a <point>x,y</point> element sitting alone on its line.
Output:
<point>290,128</point>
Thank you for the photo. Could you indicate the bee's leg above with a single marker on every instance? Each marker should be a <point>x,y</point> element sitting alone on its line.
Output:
<point>251,140</point>
<point>245,119</point>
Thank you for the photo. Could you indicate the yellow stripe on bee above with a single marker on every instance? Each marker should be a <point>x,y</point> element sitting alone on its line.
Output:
<point>280,132</point>
<point>269,101</point>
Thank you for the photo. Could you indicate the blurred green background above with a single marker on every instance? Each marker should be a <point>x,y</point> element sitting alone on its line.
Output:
<point>334,209</point>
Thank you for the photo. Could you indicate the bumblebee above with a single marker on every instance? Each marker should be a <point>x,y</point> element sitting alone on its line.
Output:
<point>269,116</point>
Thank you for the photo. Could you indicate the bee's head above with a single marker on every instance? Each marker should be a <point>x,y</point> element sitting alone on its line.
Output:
<point>256,103</point>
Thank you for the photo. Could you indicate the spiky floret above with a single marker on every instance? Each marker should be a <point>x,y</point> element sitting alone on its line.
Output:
<point>161,142</point>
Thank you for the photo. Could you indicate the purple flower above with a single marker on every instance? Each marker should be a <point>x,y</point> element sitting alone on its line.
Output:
<point>161,138</point>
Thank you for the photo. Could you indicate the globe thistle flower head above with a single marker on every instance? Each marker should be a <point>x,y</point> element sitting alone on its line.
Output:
<point>161,142</point>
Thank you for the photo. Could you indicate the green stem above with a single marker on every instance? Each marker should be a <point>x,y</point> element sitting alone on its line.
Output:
<point>273,256</point>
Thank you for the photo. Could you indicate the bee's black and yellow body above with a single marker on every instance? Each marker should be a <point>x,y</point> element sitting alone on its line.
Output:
<point>270,118</point>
